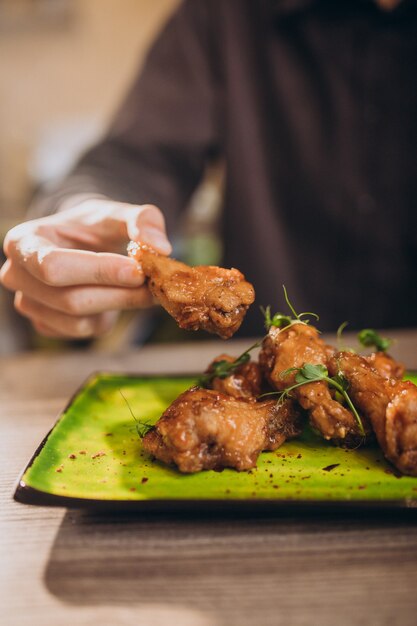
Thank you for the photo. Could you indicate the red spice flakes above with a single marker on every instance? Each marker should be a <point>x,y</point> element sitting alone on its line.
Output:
<point>329,468</point>
<point>82,452</point>
<point>60,468</point>
<point>362,487</point>
<point>72,456</point>
<point>299,456</point>
<point>144,480</point>
<point>394,472</point>
<point>108,434</point>
<point>98,454</point>
<point>132,489</point>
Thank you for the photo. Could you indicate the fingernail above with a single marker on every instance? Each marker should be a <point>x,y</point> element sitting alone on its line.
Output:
<point>155,238</point>
<point>130,276</point>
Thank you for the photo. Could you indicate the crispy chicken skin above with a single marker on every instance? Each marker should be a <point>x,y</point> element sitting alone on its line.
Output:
<point>212,298</point>
<point>330,418</point>
<point>389,404</point>
<point>207,429</point>
<point>244,383</point>
<point>386,365</point>
<point>294,346</point>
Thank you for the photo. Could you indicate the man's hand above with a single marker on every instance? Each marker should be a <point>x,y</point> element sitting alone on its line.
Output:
<point>68,270</point>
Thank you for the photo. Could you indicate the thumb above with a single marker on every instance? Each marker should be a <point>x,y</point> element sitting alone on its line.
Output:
<point>146,224</point>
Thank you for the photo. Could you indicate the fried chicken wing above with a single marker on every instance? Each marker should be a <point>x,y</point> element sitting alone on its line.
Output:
<point>208,297</point>
<point>245,382</point>
<point>389,404</point>
<point>207,429</point>
<point>386,365</point>
<point>293,347</point>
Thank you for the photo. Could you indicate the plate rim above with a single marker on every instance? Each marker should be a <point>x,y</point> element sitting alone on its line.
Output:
<point>25,494</point>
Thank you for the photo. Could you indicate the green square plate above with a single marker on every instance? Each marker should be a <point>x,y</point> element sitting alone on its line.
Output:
<point>93,458</point>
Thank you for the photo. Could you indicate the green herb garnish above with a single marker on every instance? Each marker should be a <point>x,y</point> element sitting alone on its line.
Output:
<point>369,338</point>
<point>341,346</point>
<point>310,373</point>
<point>340,331</point>
<point>280,320</point>
<point>142,426</point>
<point>222,369</point>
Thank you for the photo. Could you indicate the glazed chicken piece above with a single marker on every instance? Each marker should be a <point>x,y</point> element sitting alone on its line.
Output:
<point>294,346</point>
<point>245,382</point>
<point>389,404</point>
<point>212,298</point>
<point>386,365</point>
<point>206,429</point>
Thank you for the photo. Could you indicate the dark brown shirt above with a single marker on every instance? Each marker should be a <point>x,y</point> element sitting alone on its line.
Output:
<point>313,105</point>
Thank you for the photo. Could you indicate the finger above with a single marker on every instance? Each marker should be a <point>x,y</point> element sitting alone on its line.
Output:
<point>80,300</point>
<point>62,324</point>
<point>147,224</point>
<point>107,222</point>
<point>4,270</point>
<point>46,331</point>
<point>64,267</point>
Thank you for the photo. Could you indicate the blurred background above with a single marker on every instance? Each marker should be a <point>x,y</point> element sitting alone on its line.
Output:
<point>65,65</point>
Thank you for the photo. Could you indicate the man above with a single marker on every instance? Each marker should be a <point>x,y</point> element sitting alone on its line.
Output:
<point>312,104</point>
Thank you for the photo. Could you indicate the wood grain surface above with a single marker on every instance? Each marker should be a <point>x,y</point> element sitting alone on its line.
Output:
<point>65,568</point>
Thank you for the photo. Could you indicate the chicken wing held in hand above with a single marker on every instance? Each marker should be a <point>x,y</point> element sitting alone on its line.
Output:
<point>212,298</point>
<point>205,429</point>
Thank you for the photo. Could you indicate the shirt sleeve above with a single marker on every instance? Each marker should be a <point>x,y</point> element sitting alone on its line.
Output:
<point>166,130</point>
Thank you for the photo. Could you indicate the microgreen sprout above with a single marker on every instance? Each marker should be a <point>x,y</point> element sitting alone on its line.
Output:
<point>311,373</point>
<point>342,346</point>
<point>222,369</point>
<point>369,338</point>
<point>280,320</point>
<point>142,426</point>
<point>340,331</point>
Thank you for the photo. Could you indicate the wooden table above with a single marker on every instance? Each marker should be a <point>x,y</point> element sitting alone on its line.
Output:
<point>68,567</point>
